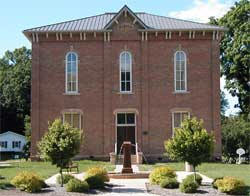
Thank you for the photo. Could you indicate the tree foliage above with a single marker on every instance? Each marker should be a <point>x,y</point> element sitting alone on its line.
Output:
<point>235,52</point>
<point>235,134</point>
<point>191,143</point>
<point>223,103</point>
<point>60,143</point>
<point>15,86</point>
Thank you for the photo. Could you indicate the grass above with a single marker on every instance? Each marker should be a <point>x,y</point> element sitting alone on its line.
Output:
<point>44,169</point>
<point>211,170</point>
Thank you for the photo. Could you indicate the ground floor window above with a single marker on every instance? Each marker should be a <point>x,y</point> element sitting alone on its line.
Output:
<point>16,144</point>
<point>73,118</point>
<point>3,144</point>
<point>177,118</point>
<point>126,130</point>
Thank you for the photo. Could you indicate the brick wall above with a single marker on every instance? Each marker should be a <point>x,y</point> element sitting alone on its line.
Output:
<point>153,95</point>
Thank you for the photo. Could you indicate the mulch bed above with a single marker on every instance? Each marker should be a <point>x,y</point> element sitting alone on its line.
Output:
<point>203,190</point>
<point>51,191</point>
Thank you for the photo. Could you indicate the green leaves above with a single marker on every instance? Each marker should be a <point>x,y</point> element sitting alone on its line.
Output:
<point>235,53</point>
<point>60,143</point>
<point>191,143</point>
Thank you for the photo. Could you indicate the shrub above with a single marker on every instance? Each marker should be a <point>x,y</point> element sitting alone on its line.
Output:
<point>188,185</point>
<point>214,182</point>
<point>231,185</point>
<point>160,173</point>
<point>75,185</point>
<point>28,181</point>
<point>95,182</point>
<point>169,183</point>
<point>98,171</point>
<point>198,178</point>
<point>66,178</point>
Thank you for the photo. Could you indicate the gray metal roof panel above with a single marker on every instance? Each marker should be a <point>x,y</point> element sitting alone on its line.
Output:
<point>97,23</point>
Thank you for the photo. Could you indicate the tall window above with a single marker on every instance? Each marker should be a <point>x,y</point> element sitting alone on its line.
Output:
<point>177,118</point>
<point>73,118</point>
<point>3,144</point>
<point>180,70</point>
<point>16,144</point>
<point>71,73</point>
<point>125,72</point>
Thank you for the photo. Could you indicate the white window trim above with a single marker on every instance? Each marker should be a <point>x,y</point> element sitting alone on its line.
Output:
<point>80,117</point>
<point>120,73</point>
<point>117,125</point>
<point>181,111</point>
<point>66,74</point>
<point>185,67</point>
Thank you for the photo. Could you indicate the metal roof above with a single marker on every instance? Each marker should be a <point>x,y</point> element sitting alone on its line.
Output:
<point>99,22</point>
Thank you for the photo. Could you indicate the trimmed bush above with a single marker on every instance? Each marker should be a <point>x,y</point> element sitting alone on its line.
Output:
<point>169,183</point>
<point>95,182</point>
<point>160,173</point>
<point>214,182</point>
<point>188,185</point>
<point>75,185</point>
<point>98,171</point>
<point>28,181</point>
<point>66,178</point>
<point>198,178</point>
<point>231,185</point>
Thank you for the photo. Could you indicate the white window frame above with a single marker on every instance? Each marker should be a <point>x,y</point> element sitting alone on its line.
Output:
<point>120,72</point>
<point>125,125</point>
<point>182,111</point>
<point>3,144</point>
<point>71,117</point>
<point>66,74</point>
<point>185,70</point>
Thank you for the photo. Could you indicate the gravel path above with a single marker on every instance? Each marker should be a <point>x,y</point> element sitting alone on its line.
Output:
<point>202,191</point>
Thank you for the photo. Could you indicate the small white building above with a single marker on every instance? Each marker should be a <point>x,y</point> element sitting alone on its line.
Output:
<point>11,142</point>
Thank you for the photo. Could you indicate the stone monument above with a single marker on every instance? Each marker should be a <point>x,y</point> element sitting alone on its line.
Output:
<point>127,157</point>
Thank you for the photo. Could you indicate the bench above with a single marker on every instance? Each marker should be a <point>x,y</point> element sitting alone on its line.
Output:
<point>71,166</point>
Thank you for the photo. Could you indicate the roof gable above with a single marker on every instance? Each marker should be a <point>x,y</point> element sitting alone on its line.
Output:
<point>126,10</point>
<point>11,133</point>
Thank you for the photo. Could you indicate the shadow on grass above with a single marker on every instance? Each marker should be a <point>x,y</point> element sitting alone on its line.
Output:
<point>5,185</point>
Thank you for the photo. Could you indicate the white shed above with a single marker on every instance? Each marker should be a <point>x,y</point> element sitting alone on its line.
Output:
<point>11,142</point>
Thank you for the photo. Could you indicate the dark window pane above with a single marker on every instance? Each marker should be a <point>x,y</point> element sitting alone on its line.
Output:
<point>127,86</point>
<point>130,118</point>
<point>128,76</point>
<point>123,76</point>
<point>123,86</point>
<point>120,118</point>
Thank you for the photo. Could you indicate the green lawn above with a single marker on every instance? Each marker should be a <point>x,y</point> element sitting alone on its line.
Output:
<point>212,170</point>
<point>44,169</point>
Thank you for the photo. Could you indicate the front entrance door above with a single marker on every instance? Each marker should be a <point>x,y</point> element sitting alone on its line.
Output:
<point>126,127</point>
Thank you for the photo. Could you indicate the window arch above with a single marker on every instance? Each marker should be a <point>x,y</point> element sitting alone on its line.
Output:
<point>71,73</point>
<point>125,72</point>
<point>180,71</point>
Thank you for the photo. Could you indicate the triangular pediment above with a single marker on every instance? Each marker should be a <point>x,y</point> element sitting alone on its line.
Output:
<point>125,12</point>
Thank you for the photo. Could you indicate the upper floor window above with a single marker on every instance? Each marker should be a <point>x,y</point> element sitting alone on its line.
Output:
<point>180,71</point>
<point>125,72</point>
<point>71,73</point>
<point>73,119</point>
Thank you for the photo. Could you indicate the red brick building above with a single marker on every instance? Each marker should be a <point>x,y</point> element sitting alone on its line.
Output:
<point>125,76</point>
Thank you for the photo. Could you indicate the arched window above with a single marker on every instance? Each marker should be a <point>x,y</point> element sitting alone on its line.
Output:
<point>71,73</point>
<point>180,71</point>
<point>125,72</point>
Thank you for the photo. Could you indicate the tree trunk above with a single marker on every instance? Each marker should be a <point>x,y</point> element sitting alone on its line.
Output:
<point>194,174</point>
<point>61,177</point>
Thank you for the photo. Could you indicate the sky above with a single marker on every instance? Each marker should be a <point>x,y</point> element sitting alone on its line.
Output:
<point>18,15</point>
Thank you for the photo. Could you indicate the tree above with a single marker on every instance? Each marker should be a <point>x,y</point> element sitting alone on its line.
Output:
<point>191,143</point>
<point>27,131</point>
<point>60,144</point>
<point>223,103</point>
<point>235,134</point>
<point>15,85</point>
<point>235,53</point>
